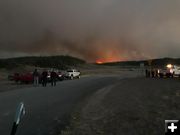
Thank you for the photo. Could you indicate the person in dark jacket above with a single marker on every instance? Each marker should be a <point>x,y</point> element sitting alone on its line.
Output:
<point>53,78</point>
<point>36,77</point>
<point>146,72</point>
<point>44,78</point>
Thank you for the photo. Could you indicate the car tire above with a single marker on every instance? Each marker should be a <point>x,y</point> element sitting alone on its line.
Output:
<point>71,77</point>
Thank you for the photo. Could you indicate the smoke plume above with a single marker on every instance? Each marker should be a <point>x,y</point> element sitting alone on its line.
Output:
<point>105,30</point>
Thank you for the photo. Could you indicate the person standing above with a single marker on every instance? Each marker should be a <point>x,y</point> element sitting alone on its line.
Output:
<point>36,77</point>
<point>146,72</point>
<point>53,78</point>
<point>44,78</point>
<point>152,73</point>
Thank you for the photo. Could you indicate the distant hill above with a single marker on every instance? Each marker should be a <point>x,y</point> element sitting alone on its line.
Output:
<point>60,62</point>
<point>155,62</point>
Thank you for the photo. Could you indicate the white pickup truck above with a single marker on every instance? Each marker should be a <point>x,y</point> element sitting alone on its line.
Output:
<point>72,73</point>
<point>175,70</point>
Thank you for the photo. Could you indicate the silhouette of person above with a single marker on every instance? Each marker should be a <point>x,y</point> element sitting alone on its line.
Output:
<point>36,77</point>
<point>53,78</point>
<point>44,78</point>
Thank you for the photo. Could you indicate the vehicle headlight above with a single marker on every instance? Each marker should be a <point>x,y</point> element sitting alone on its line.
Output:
<point>169,66</point>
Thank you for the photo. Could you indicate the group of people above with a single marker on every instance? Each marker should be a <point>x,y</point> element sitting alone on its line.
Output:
<point>151,73</point>
<point>43,78</point>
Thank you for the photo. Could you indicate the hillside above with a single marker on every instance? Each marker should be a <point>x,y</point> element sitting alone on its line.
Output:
<point>154,62</point>
<point>60,62</point>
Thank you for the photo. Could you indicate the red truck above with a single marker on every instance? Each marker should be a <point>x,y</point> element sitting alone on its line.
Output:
<point>26,78</point>
<point>22,78</point>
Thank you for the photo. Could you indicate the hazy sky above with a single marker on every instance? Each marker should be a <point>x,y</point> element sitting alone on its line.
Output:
<point>108,30</point>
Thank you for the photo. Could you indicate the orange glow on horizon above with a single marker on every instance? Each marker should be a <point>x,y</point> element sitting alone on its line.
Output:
<point>107,60</point>
<point>99,62</point>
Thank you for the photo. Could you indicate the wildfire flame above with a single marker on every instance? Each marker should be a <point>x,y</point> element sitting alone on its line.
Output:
<point>99,62</point>
<point>106,60</point>
<point>108,52</point>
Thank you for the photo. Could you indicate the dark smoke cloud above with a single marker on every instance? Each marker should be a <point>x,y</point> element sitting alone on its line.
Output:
<point>107,30</point>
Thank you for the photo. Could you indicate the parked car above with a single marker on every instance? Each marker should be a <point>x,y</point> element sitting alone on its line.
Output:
<point>169,71</point>
<point>16,77</point>
<point>26,78</point>
<point>162,72</point>
<point>72,73</point>
<point>21,78</point>
<point>175,70</point>
<point>60,76</point>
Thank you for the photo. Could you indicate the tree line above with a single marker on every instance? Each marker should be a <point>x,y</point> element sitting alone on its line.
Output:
<point>59,62</point>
